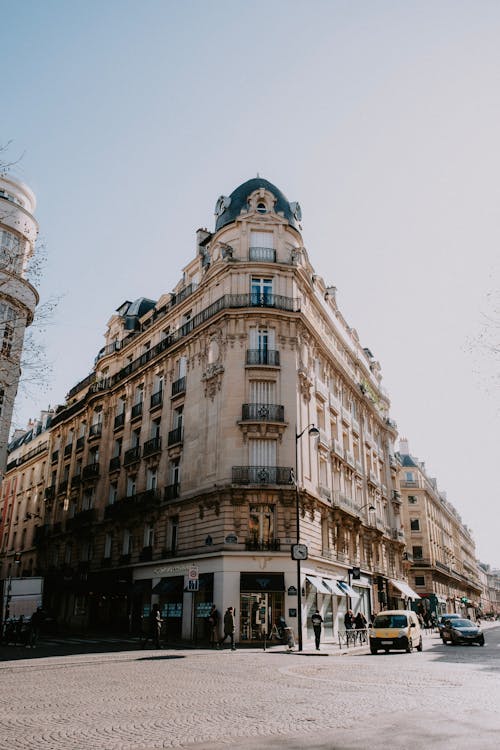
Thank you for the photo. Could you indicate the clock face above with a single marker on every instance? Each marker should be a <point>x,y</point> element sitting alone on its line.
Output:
<point>299,552</point>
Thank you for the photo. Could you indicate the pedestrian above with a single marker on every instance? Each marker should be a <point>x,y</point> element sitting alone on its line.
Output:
<point>349,620</point>
<point>213,626</point>
<point>317,621</point>
<point>360,623</point>
<point>35,625</point>
<point>229,628</point>
<point>154,630</point>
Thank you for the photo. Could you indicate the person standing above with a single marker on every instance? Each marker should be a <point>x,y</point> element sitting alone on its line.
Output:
<point>361,623</point>
<point>228,628</point>
<point>155,623</point>
<point>213,626</point>
<point>349,620</point>
<point>317,621</point>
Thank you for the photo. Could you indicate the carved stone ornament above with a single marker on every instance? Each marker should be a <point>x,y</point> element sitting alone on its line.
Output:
<point>305,384</point>
<point>212,380</point>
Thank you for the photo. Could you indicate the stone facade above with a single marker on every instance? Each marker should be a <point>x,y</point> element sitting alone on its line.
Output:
<point>187,449</point>
<point>441,552</point>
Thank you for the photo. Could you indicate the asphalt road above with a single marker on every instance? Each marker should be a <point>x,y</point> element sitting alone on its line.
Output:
<point>447,697</point>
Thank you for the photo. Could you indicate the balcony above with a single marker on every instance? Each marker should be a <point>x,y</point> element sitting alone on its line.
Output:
<point>261,357</point>
<point>261,475</point>
<point>82,519</point>
<point>55,456</point>
<point>124,559</point>
<point>156,400</point>
<point>152,446</point>
<point>95,430</point>
<point>115,463</point>
<point>263,413</point>
<point>409,483</point>
<point>421,562</point>
<point>63,486</point>
<point>175,436</point>
<point>179,386</point>
<point>91,471</point>
<point>49,493</point>
<point>262,254</point>
<point>172,491</point>
<point>271,545</point>
<point>119,421</point>
<point>80,443</point>
<point>325,493</point>
<point>136,411</point>
<point>76,480</point>
<point>132,455</point>
<point>67,450</point>
<point>133,504</point>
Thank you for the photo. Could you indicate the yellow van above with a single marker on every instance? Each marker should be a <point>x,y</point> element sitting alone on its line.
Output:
<point>395,629</point>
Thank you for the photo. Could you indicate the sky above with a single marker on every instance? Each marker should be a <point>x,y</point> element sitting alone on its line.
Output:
<point>380,118</point>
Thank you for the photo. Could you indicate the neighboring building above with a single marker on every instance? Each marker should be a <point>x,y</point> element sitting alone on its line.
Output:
<point>440,548</point>
<point>188,447</point>
<point>18,298</point>
<point>493,586</point>
<point>23,496</point>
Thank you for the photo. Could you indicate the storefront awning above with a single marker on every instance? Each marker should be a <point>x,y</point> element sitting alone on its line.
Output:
<point>441,599</point>
<point>262,582</point>
<point>318,584</point>
<point>405,589</point>
<point>344,589</point>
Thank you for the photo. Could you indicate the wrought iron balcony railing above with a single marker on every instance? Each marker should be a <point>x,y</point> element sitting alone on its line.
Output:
<point>91,471</point>
<point>263,413</point>
<point>172,491</point>
<point>132,455</point>
<point>152,446</point>
<point>156,399</point>
<point>179,386</point>
<point>262,475</point>
<point>119,421</point>
<point>136,411</point>
<point>271,545</point>
<point>263,357</point>
<point>114,463</point>
<point>175,436</point>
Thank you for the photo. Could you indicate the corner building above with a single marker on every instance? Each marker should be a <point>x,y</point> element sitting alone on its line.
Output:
<point>181,448</point>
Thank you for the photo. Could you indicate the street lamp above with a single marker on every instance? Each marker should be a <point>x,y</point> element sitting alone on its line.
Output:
<point>299,551</point>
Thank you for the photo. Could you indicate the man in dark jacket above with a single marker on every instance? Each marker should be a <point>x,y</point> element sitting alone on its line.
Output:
<point>228,628</point>
<point>317,621</point>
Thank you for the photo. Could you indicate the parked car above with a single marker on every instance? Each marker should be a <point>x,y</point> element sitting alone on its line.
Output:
<point>444,618</point>
<point>462,631</point>
<point>395,629</point>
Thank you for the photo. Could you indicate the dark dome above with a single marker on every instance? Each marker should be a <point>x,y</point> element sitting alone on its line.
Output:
<point>239,198</point>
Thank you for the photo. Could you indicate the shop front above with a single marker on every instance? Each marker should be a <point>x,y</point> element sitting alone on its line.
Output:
<point>262,602</point>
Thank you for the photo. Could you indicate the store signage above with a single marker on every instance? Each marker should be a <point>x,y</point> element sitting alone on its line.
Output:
<point>292,591</point>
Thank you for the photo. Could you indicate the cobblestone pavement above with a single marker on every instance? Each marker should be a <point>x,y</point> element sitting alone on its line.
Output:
<point>443,698</point>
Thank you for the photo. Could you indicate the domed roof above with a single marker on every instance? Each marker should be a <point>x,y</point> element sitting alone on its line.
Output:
<point>228,209</point>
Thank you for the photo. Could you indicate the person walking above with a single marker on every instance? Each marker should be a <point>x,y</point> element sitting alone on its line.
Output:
<point>213,626</point>
<point>349,620</point>
<point>154,631</point>
<point>360,623</point>
<point>317,621</point>
<point>228,628</point>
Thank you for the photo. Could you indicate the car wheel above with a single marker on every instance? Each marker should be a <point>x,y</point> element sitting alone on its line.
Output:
<point>409,647</point>
<point>386,650</point>
<point>373,650</point>
<point>481,642</point>
<point>420,645</point>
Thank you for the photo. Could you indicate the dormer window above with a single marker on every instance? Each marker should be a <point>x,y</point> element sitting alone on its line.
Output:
<point>262,208</point>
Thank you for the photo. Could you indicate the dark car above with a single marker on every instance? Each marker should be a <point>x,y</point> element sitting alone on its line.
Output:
<point>462,631</point>
<point>447,616</point>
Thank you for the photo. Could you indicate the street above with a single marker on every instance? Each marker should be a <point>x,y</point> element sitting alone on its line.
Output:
<point>445,697</point>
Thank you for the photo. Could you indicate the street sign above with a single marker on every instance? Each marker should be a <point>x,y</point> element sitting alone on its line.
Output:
<point>193,574</point>
<point>193,584</point>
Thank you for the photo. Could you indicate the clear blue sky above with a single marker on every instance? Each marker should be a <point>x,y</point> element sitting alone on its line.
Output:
<point>380,118</point>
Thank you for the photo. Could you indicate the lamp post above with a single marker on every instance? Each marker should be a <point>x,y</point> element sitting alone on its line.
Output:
<point>299,551</point>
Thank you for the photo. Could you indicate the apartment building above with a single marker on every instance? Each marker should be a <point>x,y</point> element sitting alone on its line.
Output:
<point>441,552</point>
<point>234,417</point>
<point>18,298</point>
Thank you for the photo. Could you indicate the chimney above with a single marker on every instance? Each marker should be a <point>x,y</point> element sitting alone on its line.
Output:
<point>404,447</point>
